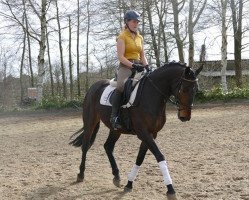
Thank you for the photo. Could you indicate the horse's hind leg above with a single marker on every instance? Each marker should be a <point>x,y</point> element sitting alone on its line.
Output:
<point>109,147</point>
<point>85,147</point>
<point>91,127</point>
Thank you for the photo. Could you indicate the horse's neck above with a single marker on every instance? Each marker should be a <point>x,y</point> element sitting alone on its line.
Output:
<point>164,77</point>
<point>156,90</point>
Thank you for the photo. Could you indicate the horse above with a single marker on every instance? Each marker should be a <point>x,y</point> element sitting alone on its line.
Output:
<point>147,118</point>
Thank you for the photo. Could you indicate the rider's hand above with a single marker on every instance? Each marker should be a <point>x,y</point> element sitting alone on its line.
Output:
<point>138,67</point>
<point>148,69</point>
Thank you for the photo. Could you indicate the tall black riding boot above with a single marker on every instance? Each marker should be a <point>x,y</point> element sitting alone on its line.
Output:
<point>115,109</point>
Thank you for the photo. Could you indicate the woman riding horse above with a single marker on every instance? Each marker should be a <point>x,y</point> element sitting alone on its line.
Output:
<point>147,118</point>
<point>131,56</point>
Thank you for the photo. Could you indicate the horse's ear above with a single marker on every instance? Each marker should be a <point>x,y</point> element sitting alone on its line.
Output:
<point>199,70</point>
<point>187,70</point>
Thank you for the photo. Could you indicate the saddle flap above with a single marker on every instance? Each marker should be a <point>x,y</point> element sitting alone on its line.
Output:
<point>108,92</point>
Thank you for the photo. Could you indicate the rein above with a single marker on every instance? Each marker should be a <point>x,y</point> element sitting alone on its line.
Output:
<point>158,90</point>
<point>178,86</point>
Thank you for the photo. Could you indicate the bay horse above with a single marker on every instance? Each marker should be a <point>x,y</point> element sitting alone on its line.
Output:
<point>147,118</point>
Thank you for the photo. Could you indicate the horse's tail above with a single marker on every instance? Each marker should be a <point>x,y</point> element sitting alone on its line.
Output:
<point>78,141</point>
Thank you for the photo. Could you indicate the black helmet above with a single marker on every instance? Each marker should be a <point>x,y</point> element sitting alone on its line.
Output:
<point>131,14</point>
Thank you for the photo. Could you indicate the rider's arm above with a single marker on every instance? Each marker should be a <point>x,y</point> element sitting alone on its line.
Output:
<point>121,52</point>
<point>142,56</point>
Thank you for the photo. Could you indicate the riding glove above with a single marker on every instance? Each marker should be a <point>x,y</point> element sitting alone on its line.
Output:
<point>148,69</point>
<point>138,67</point>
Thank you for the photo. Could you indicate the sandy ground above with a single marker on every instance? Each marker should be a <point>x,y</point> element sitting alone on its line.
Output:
<point>208,158</point>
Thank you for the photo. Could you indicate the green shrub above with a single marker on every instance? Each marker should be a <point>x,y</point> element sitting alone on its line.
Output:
<point>58,102</point>
<point>216,94</point>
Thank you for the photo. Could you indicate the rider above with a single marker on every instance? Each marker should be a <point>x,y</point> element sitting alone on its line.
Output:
<point>131,56</point>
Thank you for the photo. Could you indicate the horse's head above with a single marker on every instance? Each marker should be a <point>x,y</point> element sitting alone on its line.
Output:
<point>185,92</point>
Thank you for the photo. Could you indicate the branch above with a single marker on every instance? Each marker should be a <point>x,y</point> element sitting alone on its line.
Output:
<point>199,14</point>
<point>20,23</point>
<point>34,9</point>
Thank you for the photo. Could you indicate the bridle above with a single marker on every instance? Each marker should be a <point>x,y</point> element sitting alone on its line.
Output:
<point>177,101</point>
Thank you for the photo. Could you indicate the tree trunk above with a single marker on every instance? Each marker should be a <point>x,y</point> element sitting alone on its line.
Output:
<point>64,82</point>
<point>191,34</point>
<point>78,51</point>
<point>50,66</point>
<point>162,23</point>
<point>22,63</point>
<point>87,47</point>
<point>153,36</point>
<point>29,46</point>
<point>193,12</point>
<point>224,46</point>
<point>70,58</point>
<point>237,30</point>
<point>42,44</point>
<point>179,41</point>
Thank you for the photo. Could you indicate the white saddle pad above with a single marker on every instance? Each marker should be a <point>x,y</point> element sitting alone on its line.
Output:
<point>105,97</point>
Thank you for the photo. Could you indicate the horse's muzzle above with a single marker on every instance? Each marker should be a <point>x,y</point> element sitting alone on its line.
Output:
<point>184,115</point>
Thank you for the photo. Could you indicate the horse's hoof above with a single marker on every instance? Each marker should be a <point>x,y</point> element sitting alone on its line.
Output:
<point>172,192</point>
<point>126,189</point>
<point>116,181</point>
<point>171,196</point>
<point>80,178</point>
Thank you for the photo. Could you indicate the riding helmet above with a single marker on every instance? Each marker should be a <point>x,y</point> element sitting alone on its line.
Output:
<point>130,15</point>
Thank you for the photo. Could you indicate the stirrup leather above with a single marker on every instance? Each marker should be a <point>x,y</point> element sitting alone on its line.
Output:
<point>115,123</point>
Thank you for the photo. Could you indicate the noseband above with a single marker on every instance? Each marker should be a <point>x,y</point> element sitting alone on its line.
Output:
<point>177,102</point>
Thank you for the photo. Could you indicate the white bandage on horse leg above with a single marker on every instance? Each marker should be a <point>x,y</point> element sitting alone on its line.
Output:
<point>134,171</point>
<point>164,169</point>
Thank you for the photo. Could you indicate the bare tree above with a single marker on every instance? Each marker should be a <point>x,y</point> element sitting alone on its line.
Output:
<point>162,15</point>
<point>64,82</point>
<point>22,60</point>
<point>153,33</point>
<point>78,50</point>
<point>194,15</point>
<point>29,45</point>
<point>40,11</point>
<point>42,43</point>
<point>224,44</point>
<point>237,8</point>
<point>50,64</point>
<point>87,45</point>
<point>70,57</point>
<point>177,7</point>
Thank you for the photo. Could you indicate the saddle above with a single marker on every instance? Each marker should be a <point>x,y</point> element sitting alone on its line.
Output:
<point>131,95</point>
<point>132,88</point>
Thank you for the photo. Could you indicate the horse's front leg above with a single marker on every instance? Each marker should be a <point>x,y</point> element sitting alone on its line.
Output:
<point>140,158</point>
<point>109,147</point>
<point>151,144</point>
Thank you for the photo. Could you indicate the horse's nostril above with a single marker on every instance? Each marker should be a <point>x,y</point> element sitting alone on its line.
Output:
<point>184,119</point>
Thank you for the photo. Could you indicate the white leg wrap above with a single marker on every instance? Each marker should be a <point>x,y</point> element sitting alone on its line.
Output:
<point>132,175</point>
<point>164,169</point>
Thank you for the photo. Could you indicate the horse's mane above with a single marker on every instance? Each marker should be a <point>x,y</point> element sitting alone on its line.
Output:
<point>171,64</point>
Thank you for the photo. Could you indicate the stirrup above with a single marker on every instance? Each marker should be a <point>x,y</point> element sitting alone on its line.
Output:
<point>115,123</point>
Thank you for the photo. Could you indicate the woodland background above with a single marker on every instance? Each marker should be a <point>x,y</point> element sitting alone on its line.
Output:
<point>61,47</point>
